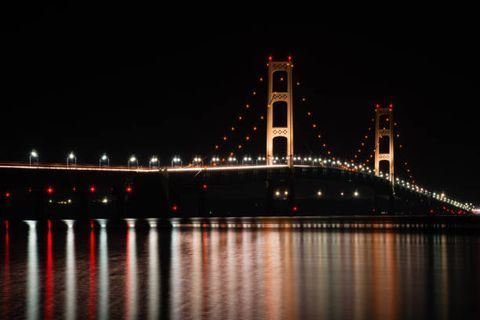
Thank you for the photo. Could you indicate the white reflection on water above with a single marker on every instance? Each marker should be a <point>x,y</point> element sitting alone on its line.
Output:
<point>103,285</point>
<point>176,292</point>
<point>102,223</point>
<point>131,281</point>
<point>153,274</point>
<point>32,273</point>
<point>70,274</point>
<point>240,273</point>
<point>195,295</point>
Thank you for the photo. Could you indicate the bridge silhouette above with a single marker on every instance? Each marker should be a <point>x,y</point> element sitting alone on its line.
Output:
<point>279,168</point>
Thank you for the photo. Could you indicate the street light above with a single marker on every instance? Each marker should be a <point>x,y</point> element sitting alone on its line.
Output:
<point>215,160</point>
<point>132,160</point>
<point>33,156</point>
<point>176,161</point>
<point>247,160</point>
<point>232,160</point>
<point>260,159</point>
<point>198,161</point>
<point>104,160</point>
<point>71,158</point>
<point>154,162</point>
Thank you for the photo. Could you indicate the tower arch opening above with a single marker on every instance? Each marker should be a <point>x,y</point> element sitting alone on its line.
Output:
<point>280,114</point>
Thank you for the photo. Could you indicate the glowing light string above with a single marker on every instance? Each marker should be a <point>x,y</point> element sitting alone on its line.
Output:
<point>313,124</point>
<point>239,123</point>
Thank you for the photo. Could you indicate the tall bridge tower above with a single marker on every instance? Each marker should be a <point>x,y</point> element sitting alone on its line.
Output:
<point>384,130</point>
<point>280,95</point>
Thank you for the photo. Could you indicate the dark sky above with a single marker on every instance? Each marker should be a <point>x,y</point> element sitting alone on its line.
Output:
<point>126,80</point>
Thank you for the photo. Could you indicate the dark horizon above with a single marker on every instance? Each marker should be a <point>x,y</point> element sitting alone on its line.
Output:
<point>95,83</point>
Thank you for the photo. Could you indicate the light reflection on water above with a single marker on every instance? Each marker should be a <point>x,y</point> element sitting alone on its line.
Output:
<point>32,274</point>
<point>62,270</point>
<point>103,276</point>
<point>70,274</point>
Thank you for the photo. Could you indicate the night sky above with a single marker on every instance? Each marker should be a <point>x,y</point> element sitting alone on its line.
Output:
<point>126,80</point>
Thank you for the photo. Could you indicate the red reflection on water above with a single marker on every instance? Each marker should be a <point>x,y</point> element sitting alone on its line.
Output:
<point>6,275</point>
<point>49,280</point>
<point>92,284</point>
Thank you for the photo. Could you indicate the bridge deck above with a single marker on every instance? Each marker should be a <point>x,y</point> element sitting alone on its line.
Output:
<point>138,169</point>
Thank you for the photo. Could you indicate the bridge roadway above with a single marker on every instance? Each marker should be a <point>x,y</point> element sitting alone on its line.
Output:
<point>226,190</point>
<point>79,167</point>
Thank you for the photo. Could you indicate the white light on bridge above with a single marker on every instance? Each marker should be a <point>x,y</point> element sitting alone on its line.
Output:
<point>355,193</point>
<point>104,160</point>
<point>319,193</point>
<point>176,161</point>
<point>71,158</point>
<point>132,160</point>
<point>154,161</point>
<point>33,156</point>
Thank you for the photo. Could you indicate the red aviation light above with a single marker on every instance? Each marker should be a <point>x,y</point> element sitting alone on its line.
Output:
<point>128,189</point>
<point>270,58</point>
<point>8,194</point>
<point>205,186</point>
<point>294,209</point>
<point>92,189</point>
<point>174,208</point>
<point>50,190</point>
<point>289,58</point>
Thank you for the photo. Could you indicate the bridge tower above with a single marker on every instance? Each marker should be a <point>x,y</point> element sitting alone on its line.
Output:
<point>275,96</point>
<point>384,129</point>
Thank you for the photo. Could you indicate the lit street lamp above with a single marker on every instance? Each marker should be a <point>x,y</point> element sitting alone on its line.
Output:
<point>247,160</point>
<point>132,160</point>
<point>71,158</point>
<point>33,156</point>
<point>260,160</point>
<point>198,161</point>
<point>154,162</point>
<point>176,161</point>
<point>104,160</point>
<point>232,160</point>
<point>215,160</point>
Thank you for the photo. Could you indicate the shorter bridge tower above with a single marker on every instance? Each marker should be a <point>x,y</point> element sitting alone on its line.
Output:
<point>273,98</point>
<point>384,129</point>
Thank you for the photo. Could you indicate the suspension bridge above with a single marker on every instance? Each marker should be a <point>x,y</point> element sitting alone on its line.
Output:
<point>229,183</point>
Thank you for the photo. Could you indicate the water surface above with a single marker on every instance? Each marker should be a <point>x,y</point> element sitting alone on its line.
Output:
<point>246,270</point>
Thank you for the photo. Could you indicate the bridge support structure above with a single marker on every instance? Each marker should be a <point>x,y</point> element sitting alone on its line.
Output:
<point>384,129</point>
<point>274,97</point>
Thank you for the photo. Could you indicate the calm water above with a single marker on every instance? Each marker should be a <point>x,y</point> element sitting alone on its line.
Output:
<point>236,273</point>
